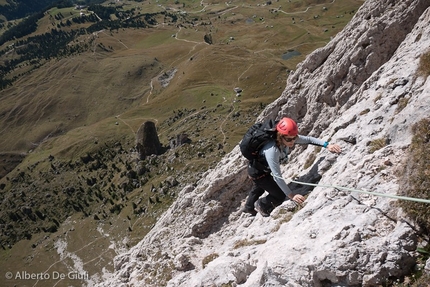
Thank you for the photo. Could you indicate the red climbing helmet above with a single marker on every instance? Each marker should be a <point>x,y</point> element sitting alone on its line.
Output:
<point>287,127</point>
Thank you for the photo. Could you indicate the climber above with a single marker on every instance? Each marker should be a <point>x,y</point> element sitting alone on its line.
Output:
<point>266,172</point>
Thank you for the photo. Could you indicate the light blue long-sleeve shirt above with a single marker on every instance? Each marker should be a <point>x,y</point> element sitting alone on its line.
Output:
<point>274,155</point>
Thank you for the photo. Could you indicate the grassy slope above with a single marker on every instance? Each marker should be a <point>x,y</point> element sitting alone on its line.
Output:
<point>74,105</point>
<point>116,82</point>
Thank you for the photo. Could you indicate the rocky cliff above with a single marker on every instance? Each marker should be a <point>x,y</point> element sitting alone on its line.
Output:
<point>349,92</point>
<point>147,141</point>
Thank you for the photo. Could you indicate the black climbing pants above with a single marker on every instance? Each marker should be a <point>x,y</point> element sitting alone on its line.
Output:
<point>266,183</point>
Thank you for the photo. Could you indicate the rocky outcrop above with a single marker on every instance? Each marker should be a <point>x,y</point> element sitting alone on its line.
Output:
<point>330,76</point>
<point>347,92</point>
<point>9,162</point>
<point>147,141</point>
<point>179,140</point>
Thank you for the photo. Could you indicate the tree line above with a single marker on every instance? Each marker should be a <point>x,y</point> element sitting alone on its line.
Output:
<point>18,9</point>
<point>56,43</point>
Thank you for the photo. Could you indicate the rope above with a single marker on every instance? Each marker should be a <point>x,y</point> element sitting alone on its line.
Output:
<point>362,191</point>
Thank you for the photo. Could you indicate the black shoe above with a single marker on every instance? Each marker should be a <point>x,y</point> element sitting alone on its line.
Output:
<point>250,211</point>
<point>260,208</point>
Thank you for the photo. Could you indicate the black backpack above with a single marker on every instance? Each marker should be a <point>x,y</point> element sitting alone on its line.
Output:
<point>256,137</point>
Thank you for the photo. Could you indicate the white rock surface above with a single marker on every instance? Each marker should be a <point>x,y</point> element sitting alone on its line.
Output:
<point>348,90</point>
